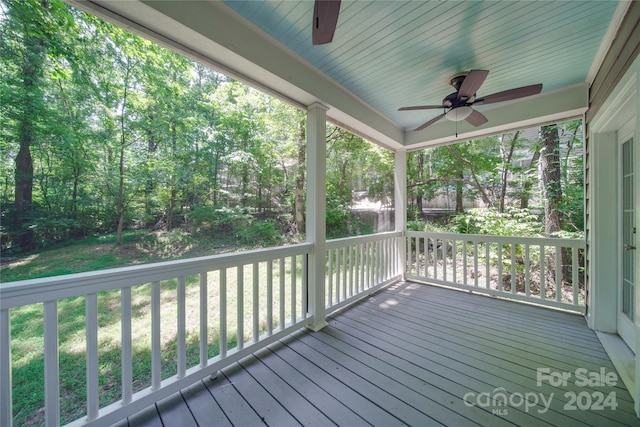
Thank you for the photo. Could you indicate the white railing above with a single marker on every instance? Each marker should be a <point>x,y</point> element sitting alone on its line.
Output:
<point>214,309</point>
<point>545,271</point>
<point>190,317</point>
<point>200,315</point>
<point>358,266</point>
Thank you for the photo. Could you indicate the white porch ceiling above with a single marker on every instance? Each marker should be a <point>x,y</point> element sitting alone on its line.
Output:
<point>389,54</point>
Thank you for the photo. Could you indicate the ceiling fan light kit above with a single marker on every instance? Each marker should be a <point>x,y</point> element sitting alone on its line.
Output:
<point>458,114</point>
<point>459,105</point>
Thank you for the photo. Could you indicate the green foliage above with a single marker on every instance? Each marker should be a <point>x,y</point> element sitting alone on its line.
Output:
<point>259,232</point>
<point>343,222</point>
<point>428,226</point>
<point>513,222</point>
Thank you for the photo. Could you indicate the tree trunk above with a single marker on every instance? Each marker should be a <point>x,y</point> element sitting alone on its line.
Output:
<point>299,192</point>
<point>420,178</point>
<point>551,179</point>
<point>475,179</point>
<point>33,59</point>
<point>552,182</point>
<point>459,193</point>
<point>528,182</point>
<point>507,155</point>
<point>120,203</point>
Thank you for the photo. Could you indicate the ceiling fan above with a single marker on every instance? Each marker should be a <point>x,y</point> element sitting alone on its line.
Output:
<point>459,104</point>
<point>325,20</point>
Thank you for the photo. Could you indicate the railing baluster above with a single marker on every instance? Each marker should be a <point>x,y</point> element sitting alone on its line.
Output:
<point>487,259</point>
<point>513,269</point>
<point>444,259</point>
<point>304,299</point>
<point>558,273</point>
<point>499,268</point>
<point>395,245</point>
<point>464,262</point>
<point>338,296</point>
<point>425,257</point>
<point>543,292</point>
<point>6,400</point>
<point>527,268</point>
<point>344,273</point>
<point>256,302</point>
<point>356,272</point>
<point>51,365</point>
<point>223,313</point>
<point>156,376</point>
<point>270,297</point>
<point>204,325</point>
<point>282,293</point>
<point>378,262</point>
<point>383,261</point>
<point>434,250</point>
<point>351,277</point>
<point>329,298</point>
<point>368,271</point>
<point>240,305</point>
<point>475,264</point>
<point>127,351</point>
<point>182,328</point>
<point>574,274</point>
<point>91,326</point>
<point>361,248</point>
<point>409,261</point>
<point>455,260</point>
<point>294,296</point>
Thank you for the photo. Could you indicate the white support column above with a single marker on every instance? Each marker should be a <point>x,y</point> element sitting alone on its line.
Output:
<point>603,241</point>
<point>400,197</point>
<point>316,211</point>
<point>6,401</point>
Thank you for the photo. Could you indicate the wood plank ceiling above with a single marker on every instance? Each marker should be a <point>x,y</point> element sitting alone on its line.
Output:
<point>397,53</point>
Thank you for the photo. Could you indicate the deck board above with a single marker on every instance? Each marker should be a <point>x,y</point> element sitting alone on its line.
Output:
<point>174,412</point>
<point>407,355</point>
<point>203,406</point>
<point>298,410</point>
<point>317,396</point>
<point>469,362</point>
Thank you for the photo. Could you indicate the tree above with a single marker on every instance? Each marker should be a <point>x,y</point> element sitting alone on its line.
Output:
<point>551,179</point>
<point>29,38</point>
<point>508,144</point>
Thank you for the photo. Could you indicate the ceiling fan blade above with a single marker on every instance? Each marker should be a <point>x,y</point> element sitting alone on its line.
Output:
<point>325,20</point>
<point>472,83</point>
<point>507,95</point>
<point>422,107</point>
<point>430,122</point>
<point>476,118</point>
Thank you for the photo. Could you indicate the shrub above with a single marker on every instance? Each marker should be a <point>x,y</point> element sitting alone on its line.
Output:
<point>259,232</point>
<point>512,222</point>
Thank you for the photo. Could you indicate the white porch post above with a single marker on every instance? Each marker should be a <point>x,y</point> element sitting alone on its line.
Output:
<point>316,210</point>
<point>603,242</point>
<point>400,197</point>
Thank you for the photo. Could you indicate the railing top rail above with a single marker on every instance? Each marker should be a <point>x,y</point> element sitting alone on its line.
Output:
<point>347,241</point>
<point>32,291</point>
<point>483,238</point>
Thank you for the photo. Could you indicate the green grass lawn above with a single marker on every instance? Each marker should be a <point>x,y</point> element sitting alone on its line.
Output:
<point>99,253</point>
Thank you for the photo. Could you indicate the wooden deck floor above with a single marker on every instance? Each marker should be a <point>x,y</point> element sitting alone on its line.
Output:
<point>409,355</point>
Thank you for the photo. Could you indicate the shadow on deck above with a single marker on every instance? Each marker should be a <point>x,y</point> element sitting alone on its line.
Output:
<point>416,355</point>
